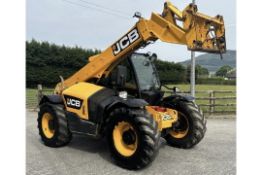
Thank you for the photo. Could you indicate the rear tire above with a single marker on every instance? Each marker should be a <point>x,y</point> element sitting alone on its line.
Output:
<point>54,130</point>
<point>141,152</point>
<point>196,126</point>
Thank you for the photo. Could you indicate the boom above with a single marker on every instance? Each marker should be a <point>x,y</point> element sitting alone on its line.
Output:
<point>198,32</point>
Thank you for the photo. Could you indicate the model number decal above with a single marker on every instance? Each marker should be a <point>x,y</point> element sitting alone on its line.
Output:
<point>73,102</point>
<point>166,117</point>
<point>125,41</point>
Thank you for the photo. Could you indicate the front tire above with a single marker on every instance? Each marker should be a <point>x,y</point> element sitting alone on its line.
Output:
<point>133,138</point>
<point>191,128</point>
<point>53,126</point>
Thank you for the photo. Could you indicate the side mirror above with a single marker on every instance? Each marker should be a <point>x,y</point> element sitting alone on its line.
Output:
<point>153,57</point>
<point>176,89</point>
<point>119,76</point>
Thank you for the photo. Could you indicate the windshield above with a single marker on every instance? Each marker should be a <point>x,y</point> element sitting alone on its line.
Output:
<point>146,72</point>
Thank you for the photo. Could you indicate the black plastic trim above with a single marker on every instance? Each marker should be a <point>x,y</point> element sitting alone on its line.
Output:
<point>78,125</point>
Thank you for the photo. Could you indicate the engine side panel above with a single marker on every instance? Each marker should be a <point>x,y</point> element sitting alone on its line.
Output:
<point>97,103</point>
<point>76,98</point>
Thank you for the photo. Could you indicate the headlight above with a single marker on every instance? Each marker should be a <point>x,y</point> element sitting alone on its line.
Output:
<point>123,94</point>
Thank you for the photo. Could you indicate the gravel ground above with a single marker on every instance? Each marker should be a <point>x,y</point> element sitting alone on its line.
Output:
<point>214,155</point>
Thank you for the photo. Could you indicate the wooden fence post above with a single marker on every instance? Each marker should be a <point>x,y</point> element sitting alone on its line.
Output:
<point>211,101</point>
<point>214,101</point>
<point>39,94</point>
<point>210,98</point>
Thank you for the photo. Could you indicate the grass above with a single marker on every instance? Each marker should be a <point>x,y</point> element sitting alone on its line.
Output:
<point>203,87</point>
<point>31,95</point>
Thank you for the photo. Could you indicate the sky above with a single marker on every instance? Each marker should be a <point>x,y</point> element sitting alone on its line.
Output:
<point>89,26</point>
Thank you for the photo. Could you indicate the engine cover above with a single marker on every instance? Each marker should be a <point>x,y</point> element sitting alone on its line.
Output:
<point>76,98</point>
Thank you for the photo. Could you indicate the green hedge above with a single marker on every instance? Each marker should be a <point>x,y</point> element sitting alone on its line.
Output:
<point>45,62</point>
<point>216,80</point>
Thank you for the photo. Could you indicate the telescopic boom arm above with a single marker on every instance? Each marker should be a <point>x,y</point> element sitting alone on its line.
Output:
<point>198,32</point>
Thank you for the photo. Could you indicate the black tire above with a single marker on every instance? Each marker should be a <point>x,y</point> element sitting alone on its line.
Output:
<point>62,135</point>
<point>196,126</point>
<point>147,137</point>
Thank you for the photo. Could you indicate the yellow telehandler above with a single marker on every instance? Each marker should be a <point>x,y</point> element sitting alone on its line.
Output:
<point>117,94</point>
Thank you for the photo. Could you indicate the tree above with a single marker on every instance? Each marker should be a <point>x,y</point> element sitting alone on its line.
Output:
<point>171,72</point>
<point>199,72</point>
<point>222,71</point>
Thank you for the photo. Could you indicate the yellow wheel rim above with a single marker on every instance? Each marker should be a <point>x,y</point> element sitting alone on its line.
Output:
<point>181,133</point>
<point>46,119</point>
<point>121,146</point>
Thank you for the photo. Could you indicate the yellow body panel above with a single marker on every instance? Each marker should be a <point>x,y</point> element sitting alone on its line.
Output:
<point>80,91</point>
<point>164,119</point>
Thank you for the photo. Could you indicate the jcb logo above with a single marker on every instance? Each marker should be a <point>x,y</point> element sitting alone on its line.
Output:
<point>73,102</point>
<point>124,42</point>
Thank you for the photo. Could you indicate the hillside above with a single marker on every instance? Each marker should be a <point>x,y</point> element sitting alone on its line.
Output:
<point>213,62</point>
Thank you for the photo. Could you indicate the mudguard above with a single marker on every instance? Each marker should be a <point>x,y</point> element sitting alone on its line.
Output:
<point>172,100</point>
<point>53,99</point>
<point>103,101</point>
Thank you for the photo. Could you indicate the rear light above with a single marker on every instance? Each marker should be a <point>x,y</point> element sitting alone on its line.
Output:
<point>159,109</point>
